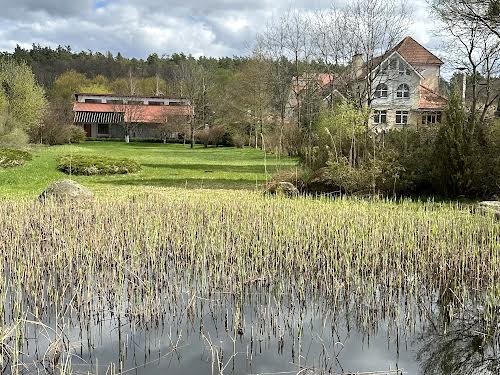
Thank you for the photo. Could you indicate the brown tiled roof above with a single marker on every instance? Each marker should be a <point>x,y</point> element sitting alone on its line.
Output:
<point>149,114</point>
<point>431,100</point>
<point>322,79</point>
<point>412,51</point>
<point>416,54</point>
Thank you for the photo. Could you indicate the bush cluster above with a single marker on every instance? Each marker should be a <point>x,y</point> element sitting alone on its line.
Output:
<point>13,158</point>
<point>457,158</point>
<point>53,133</point>
<point>89,165</point>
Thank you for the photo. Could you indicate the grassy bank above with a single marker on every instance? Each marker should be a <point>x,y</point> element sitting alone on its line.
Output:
<point>171,165</point>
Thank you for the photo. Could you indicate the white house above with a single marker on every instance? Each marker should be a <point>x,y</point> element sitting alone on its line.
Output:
<point>402,86</point>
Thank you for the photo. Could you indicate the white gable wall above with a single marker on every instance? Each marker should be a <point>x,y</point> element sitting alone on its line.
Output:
<point>393,79</point>
<point>431,75</point>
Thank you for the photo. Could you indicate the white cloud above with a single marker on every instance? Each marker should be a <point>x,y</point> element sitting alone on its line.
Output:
<point>137,28</point>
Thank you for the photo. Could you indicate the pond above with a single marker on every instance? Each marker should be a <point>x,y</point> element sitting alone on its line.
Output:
<point>260,332</point>
<point>248,286</point>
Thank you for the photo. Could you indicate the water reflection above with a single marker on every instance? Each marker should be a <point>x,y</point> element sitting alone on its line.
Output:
<point>460,346</point>
<point>262,332</point>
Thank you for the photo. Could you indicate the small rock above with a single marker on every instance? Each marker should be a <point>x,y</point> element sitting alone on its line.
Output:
<point>282,188</point>
<point>490,208</point>
<point>66,190</point>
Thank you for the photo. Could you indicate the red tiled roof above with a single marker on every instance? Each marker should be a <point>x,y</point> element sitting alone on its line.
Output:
<point>137,113</point>
<point>416,54</point>
<point>322,79</point>
<point>431,100</point>
<point>413,52</point>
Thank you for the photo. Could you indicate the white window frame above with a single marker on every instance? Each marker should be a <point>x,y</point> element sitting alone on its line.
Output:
<point>402,118</point>
<point>431,118</point>
<point>380,116</point>
<point>403,91</point>
<point>381,91</point>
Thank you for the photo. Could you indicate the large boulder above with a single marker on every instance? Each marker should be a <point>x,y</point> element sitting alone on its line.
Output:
<point>286,189</point>
<point>490,208</point>
<point>66,190</point>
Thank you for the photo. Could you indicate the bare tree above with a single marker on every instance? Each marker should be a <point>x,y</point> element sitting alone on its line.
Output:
<point>195,83</point>
<point>485,13</point>
<point>476,49</point>
<point>288,38</point>
<point>271,46</point>
<point>175,125</point>
<point>371,28</point>
<point>130,116</point>
<point>251,97</point>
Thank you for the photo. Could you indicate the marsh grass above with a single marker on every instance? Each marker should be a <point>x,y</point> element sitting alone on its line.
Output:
<point>144,258</point>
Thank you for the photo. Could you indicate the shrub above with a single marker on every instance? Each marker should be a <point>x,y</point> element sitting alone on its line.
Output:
<point>76,134</point>
<point>211,136</point>
<point>88,165</point>
<point>54,133</point>
<point>238,140</point>
<point>13,158</point>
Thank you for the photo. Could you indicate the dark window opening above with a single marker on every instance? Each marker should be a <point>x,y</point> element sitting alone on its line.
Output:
<point>135,102</point>
<point>115,101</point>
<point>393,64</point>
<point>380,117</point>
<point>97,101</point>
<point>381,91</point>
<point>403,91</point>
<point>431,118</point>
<point>156,103</point>
<point>103,129</point>
<point>401,117</point>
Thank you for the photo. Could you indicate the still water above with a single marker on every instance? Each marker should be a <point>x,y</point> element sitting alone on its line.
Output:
<point>261,332</point>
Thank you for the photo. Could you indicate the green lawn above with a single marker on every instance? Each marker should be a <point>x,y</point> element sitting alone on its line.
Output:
<point>171,165</point>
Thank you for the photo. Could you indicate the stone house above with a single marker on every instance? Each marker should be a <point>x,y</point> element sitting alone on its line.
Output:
<point>401,87</point>
<point>113,116</point>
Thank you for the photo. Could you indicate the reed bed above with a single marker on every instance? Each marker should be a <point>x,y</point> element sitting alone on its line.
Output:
<point>160,258</point>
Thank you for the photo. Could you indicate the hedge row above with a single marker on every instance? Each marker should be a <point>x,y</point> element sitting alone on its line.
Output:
<point>90,165</point>
<point>13,158</point>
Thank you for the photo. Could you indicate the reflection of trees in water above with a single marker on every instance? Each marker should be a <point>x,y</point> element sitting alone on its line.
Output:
<point>465,345</point>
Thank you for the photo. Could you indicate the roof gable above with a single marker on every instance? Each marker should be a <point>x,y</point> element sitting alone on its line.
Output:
<point>416,54</point>
<point>396,53</point>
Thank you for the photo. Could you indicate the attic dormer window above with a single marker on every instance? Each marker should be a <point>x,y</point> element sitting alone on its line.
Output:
<point>403,69</point>
<point>381,90</point>
<point>393,64</point>
<point>383,68</point>
<point>403,91</point>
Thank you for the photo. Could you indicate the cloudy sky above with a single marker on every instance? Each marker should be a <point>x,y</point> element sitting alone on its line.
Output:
<point>137,28</point>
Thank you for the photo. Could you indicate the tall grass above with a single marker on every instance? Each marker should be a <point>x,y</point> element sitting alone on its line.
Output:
<point>138,259</point>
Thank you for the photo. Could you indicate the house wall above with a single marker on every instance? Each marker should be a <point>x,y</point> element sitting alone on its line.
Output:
<point>431,75</point>
<point>414,119</point>
<point>392,104</point>
<point>393,79</point>
<point>141,131</point>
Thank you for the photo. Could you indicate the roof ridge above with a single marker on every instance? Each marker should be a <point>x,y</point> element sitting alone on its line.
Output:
<point>408,37</point>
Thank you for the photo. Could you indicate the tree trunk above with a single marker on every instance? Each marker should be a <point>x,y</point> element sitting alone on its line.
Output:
<point>127,138</point>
